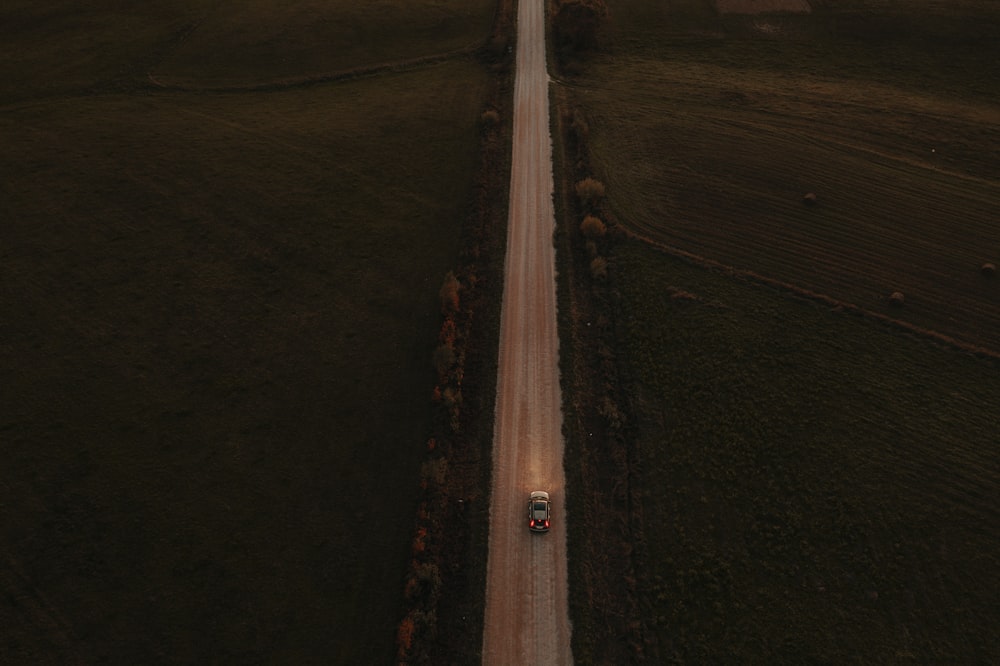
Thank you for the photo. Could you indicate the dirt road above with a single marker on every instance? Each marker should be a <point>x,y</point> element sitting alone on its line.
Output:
<point>527,619</point>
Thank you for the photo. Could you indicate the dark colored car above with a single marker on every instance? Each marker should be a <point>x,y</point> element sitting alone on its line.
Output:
<point>538,511</point>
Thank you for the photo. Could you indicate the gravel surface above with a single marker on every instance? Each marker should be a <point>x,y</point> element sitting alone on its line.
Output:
<point>527,618</point>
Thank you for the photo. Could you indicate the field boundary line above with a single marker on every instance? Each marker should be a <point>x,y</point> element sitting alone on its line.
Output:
<point>833,303</point>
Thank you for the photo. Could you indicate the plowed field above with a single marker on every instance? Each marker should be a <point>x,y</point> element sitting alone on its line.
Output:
<point>906,184</point>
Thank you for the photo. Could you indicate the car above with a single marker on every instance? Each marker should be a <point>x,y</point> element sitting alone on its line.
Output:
<point>538,511</point>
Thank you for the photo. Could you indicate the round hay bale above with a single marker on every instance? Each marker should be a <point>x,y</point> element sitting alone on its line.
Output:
<point>896,299</point>
<point>810,199</point>
<point>989,270</point>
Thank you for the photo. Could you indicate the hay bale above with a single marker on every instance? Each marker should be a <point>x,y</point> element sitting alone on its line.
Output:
<point>989,270</point>
<point>810,199</point>
<point>896,299</point>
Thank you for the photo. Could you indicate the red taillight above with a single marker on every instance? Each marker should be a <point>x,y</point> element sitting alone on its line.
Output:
<point>532,523</point>
<point>546,523</point>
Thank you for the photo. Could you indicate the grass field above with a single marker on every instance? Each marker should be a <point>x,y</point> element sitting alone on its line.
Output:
<point>219,314</point>
<point>815,486</point>
<point>72,45</point>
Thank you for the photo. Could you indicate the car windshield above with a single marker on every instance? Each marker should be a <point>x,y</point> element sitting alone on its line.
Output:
<point>539,506</point>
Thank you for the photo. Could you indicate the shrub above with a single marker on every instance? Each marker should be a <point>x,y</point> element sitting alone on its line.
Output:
<point>404,637</point>
<point>449,293</point>
<point>490,118</point>
<point>896,299</point>
<point>592,227</point>
<point>452,397</point>
<point>810,199</point>
<point>412,635</point>
<point>434,471</point>
<point>609,410</point>
<point>444,359</point>
<point>419,541</point>
<point>988,269</point>
<point>589,191</point>
<point>423,587</point>
<point>448,333</point>
<point>425,621</point>
<point>599,267</point>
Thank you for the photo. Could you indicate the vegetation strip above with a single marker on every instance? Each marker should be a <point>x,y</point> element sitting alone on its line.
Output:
<point>445,584</point>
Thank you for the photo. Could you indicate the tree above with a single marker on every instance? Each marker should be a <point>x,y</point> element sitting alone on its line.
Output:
<point>592,227</point>
<point>449,293</point>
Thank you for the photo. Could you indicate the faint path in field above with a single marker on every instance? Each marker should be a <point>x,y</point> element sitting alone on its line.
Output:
<point>840,306</point>
<point>149,82</point>
<point>469,51</point>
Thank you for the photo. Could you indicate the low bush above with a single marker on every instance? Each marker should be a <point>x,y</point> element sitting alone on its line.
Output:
<point>589,191</point>
<point>593,227</point>
<point>490,119</point>
<point>449,293</point>
<point>599,268</point>
<point>444,359</point>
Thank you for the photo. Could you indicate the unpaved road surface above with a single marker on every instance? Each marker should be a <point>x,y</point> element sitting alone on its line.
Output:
<point>527,616</point>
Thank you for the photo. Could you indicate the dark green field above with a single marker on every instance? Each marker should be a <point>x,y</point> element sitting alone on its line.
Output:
<point>814,485</point>
<point>816,488</point>
<point>218,317</point>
